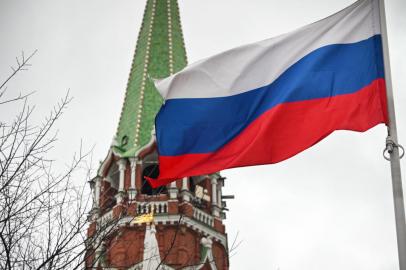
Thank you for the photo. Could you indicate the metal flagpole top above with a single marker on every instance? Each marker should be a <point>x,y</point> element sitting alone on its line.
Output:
<point>393,147</point>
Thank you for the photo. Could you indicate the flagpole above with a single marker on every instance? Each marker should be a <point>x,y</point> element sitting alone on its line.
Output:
<point>393,148</point>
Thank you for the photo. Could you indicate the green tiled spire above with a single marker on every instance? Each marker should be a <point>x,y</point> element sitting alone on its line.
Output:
<point>160,51</point>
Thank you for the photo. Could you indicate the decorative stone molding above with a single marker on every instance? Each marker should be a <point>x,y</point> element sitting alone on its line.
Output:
<point>121,191</point>
<point>215,209</point>
<point>173,191</point>
<point>132,191</point>
<point>133,164</point>
<point>97,191</point>
<point>186,195</point>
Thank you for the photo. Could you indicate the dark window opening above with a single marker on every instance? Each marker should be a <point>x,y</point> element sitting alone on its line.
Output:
<point>192,185</point>
<point>151,171</point>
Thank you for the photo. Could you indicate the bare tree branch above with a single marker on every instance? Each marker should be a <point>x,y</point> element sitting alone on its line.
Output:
<point>21,66</point>
<point>42,213</point>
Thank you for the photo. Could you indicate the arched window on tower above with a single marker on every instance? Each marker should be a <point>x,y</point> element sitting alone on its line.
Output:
<point>151,171</point>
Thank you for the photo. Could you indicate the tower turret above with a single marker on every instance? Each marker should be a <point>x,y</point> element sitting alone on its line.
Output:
<point>187,226</point>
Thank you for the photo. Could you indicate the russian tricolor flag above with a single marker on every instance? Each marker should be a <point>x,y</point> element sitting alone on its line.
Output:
<point>265,102</point>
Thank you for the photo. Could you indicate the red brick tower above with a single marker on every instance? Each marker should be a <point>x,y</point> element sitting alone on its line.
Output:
<point>187,228</point>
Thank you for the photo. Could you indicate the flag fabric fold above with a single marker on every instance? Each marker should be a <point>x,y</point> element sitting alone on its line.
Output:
<point>265,102</point>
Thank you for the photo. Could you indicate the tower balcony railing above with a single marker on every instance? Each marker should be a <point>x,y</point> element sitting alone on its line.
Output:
<point>106,217</point>
<point>160,207</point>
<point>203,217</point>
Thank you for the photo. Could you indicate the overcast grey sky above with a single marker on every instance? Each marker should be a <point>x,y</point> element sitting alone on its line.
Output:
<point>329,207</point>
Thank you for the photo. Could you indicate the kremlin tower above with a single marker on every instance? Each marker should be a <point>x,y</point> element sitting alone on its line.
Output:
<point>132,225</point>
